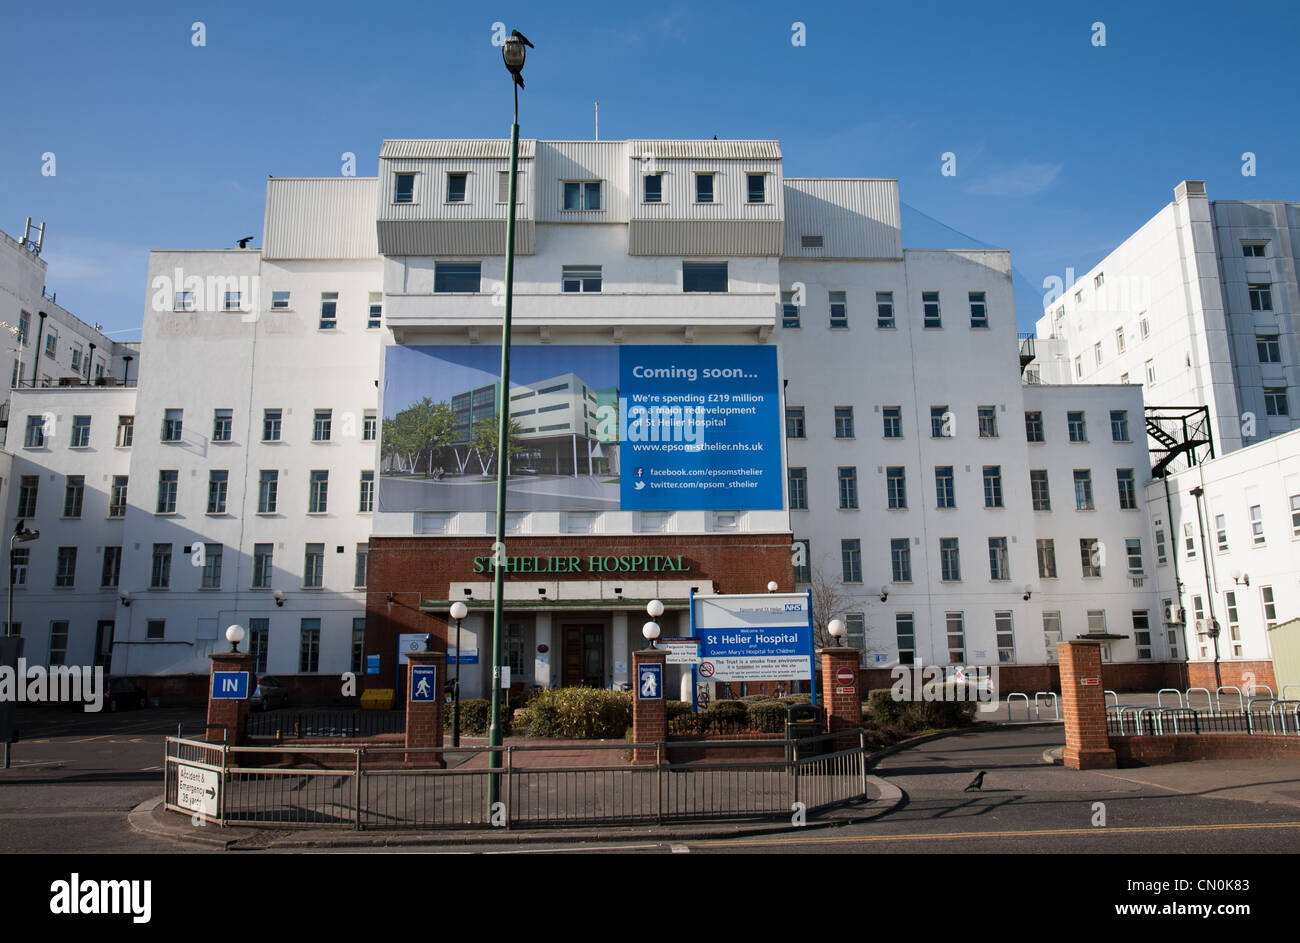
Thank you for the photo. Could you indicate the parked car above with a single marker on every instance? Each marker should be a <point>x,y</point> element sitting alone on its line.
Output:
<point>269,695</point>
<point>123,695</point>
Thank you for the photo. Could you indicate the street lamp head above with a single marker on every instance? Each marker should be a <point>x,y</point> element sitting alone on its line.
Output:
<point>654,609</point>
<point>836,629</point>
<point>651,631</point>
<point>513,53</point>
<point>772,586</point>
<point>459,610</point>
<point>884,592</point>
<point>235,635</point>
<point>1029,591</point>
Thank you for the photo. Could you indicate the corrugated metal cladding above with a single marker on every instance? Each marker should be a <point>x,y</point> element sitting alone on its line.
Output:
<point>320,218</point>
<point>708,150</point>
<point>558,161</point>
<point>701,237</point>
<point>857,219</point>
<point>730,189</point>
<point>468,149</point>
<point>474,237</point>
<point>482,187</point>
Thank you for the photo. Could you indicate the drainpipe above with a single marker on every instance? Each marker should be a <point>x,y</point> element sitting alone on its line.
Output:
<point>1197,493</point>
<point>36,360</point>
<point>1178,582</point>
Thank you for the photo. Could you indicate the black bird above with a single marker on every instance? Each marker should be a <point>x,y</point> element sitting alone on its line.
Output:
<point>519,79</point>
<point>976,783</point>
<point>243,243</point>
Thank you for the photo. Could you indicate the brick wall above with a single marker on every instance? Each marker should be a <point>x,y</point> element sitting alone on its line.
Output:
<point>1083,706</point>
<point>1182,748</point>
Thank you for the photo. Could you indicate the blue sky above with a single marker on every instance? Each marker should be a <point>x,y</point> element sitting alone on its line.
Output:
<point>1063,148</point>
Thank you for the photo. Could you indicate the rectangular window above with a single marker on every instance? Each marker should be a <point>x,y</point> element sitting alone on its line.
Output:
<point>1096,621</point>
<point>1119,339</point>
<point>268,487</point>
<point>403,188</point>
<point>704,188</point>
<point>794,424</point>
<point>1090,556</point>
<point>28,485</point>
<point>374,309</point>
<point>1151,371</point>
<point>1078,367</point>
<point>789,310</point>
<point>218,480</point>
<point>654,188</point>
<point>156,629</point>
<point>280,301</point>
<point>940,422</point>
<point>1046,558</point>
<point>580,278</point>
<point>843,422</point>
<point>58,642</point>
<point>463,277</point>
<point>1142,634</point>
<point>117,497</point>
<point>211,578</point>
<point>956,625</point>
<point>1133,550</point>
<point>318,500</point>
<point>1295,515</point>
<point>184,301</point>
<point>358,645</point>
<point>1078,426</point>
<point>1127,489</point>
<point>988,422</point>
<point>80,432</point>
<point>369,426</point>
<point>1033,427</point>
<point>329,310</point>
<point>999,563</point>
<point>262,565</point>
<point>65,574</point>
<point>222,419</point>
<point>74,490</point>
<point>322,425</point>
<point>1189,541</point>
<point>848,489</point>
<point>313,569</point>
<point>309,646</point>
<point>993,486</point>
<point>905,633</point>
<point>1257,525</point>
<point>1052,634</point>
<point>896,486</point>
<point>1119,425</point>
<point>839,309</point>
<point>1162,552</point>
<point>1144,328</point>
<point>172,423</point>
<point>35,438</point>
<point>979,312</point>
<point>160,573</point>
<point>930,307</point>
<point>1275,401</point>
<point>271,425</point>
<point>125,431</point>
<point>1270,607</point>
<point>259,642</point>
<point>900,558</point>
<point>885,309</point>
<point>944,487</point>
<point>756,188</point>
<point>582,194</point>
<point>359,572</point>
<point>18,560</point>
<point>1096,352</point>
<point>24,325</point>
<point>1039,490</point>
<point>704,276</point>
<point>851,560</point>
<point>112,569</point>
<point>1006,638</point>
<point>231,301</point>
<point>949,559</point>
<point>1083,489</point>
<point>1221,532</point>
<point>798,489</point>
<point>167,484</point>
<point>456,187</point>
<point>1270,351</point>
<point>1261,296</point>
<point>893,421</point>
<point>802,561</point>
<point>367,501</point>
<point>503,187</point>
<point>1253,249</point>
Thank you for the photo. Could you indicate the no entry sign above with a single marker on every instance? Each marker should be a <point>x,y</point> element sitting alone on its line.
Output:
<point>846,677</point>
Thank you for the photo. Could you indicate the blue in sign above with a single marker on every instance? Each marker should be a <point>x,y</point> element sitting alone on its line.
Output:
<point>372,664</point>
<point>424,683</point>
<point>229,685</point>
<point>650,682</point>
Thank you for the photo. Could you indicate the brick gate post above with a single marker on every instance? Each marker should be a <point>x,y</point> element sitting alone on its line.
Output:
<point>228,712</point>
<point>843,701</point>
<point>424,700</point>
<point>649,702</point>
<point>1083,701</point>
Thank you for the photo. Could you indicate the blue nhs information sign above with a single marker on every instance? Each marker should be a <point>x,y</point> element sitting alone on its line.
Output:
<point>759,637</point>
<point>699,428</point>
<point>229,685</point>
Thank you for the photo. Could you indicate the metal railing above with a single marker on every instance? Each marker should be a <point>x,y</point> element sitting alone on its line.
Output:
<point>387,787</point>
<point>338,724</point>
<point>1262,715</point>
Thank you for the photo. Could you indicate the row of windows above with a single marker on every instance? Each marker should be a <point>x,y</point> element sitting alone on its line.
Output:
<point>40,428</point>
<point>578,194</point>
<point>1255,518</point>
<point>839,309</point>
<point>283,300</point>
<point>943,423</point>
<point>955,634</point>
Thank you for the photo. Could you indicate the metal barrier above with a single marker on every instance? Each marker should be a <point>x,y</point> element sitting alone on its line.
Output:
<point>1173,713</point>
<point>1209,703</point>
<point>1283,717</point>
<point>1256,687</point>
<point>1161,692</point>
<point>1112,694</point>
<point>1218,696</point>
<point>1056,705</point>
<point>326,724</point>
<point>1024,697</point>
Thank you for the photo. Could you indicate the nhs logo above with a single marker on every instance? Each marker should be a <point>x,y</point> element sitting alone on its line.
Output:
<point>229,685</point>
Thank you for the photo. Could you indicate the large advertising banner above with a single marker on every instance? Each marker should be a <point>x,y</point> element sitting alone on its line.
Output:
<point>591,428</point>
<point>766,637</point>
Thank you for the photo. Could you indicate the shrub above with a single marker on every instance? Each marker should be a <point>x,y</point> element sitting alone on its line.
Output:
<point>792,699</point>
<point>755,698</point>
<point>579,714</point>
<point>910,716</point>
<point>767,716</point>
<point>677,709</point>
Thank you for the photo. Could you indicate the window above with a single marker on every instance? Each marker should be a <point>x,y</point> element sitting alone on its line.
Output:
<point>167,484</point>
<point>27,488</point>
<point>1151,371</point>
<point>988,422</point>
<point>231,301</point>
<point>944,489</point>
<point>404,188</point>
<point>843,422</point>
<point>58,642</point>
<point>839,309</point>
<point>222,420</point>
<point>848,489</point>
<point>80,432</point>
<point>1119,339</point>
<point>280,301</point>
<point>1078,367</point>
<point>1083,489</point>
<point>51,343</point>
<point>1133,550</point>
<point>271,425</point>
<point>1046,558</point>
<point>1275,403</point>
<point>172,423</point>
<point>35,433</point>
<point>1123,379</point>
<point>218,479</point>
<point>117,497</point>
<point>756,188</point>
<point>321,425</point>
<point>259,632</point>
<point>1142,633</point>
<point>896,486</point>
<point>73,491</point>
<point>1295,515</point>
<point>653,188</point>
<point>1077,425</point>
<point>1144,328</point>
<point>956,625</point>
<point>313,569</point>
<point>1268,347</point>
<point>358,645</point>
<point>1119,425</point>
<point>457,276</point>
<point>582,194</point>
<point>949,559</point>
<point>329,308</point>
<point>1270,608</point>
<point>1127,489</point>
<point>851,560</point>
<point>999,564</point>
<point>1096,352</point>
<point>262,565</point>
<point>309,646</point>
<point>893,420</point>
<point>979,312</point>
<point>1221,532</point>
<point>211,577</point>
<point>704,188</point>
<point>367,502</point>
<point>798,489</point>
<point>1052,634</point>
<point>375,309</point>
<point>1257,525</point>
<point>125,431</point>
<point>184,301</point>
<point>794,426</point>
<point>503,187</point>
<point>1033,427</point>
<point>18,565</point>
<point>993,486</point>
<point>1006,638</point>
<point>1261,296</point>
<point>160,573</point>
<point>1234,622</point>
<point>24,326</point>
<point>941,424</point>
<point>900,558</point>
<point>807,241</point>
<point>318,501</point>
<point>581,278</point>
<point>930,306</point>
<point>369,426</point>
<point>789,310</point>
<point>704,276</point>
<point>1253,250</point>
<point>905,633</point>
<point>112,569</point>
<point>1189,541</point>
<point>267,490</point>
<point>803,566</point>
<point>65,574</point>
<point>1039,490</point>
<point>1162,552</point>
<point>884,309</point>
<point>156,629</point>
<point>456,187</point>
<point>1090,556</point>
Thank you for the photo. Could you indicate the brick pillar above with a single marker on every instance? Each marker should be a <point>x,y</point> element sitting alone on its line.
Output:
<point>424,718</point>
<point>843,702</point>
<point>229,713</point>
<point>1083,702</point>
<point>649,714</point>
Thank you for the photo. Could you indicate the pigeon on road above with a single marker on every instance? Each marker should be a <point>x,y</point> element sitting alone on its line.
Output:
<point>976,783</point>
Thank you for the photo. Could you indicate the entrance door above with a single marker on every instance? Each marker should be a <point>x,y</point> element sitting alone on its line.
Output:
<point>104,645</point>
<point>584,656</point>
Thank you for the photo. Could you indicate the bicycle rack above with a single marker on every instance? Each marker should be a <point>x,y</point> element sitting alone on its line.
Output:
<point>1251,711</point>
<point>1163,691</point>
<point>1173,713</point>
<point>1025,697</point>
<point>1209,702</point>
<point>1157,726</point>
<point>1218,696</point>
<point>1279,708</point>
<point>1114,695</point>
<point>1264,687</point>
<point>1120,716</point>
<point>1056,705</point>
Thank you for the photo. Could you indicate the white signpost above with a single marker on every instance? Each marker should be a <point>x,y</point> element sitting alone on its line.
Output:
<point>681,651</point>
<point>197,789</point>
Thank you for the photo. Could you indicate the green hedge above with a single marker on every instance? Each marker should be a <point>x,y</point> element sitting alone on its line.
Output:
<point>917,715</point>
<point>577,714</point>
<point>475,717</point>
